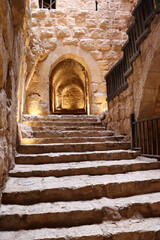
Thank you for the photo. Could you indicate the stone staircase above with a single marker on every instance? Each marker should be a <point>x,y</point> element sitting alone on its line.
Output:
<point>74,180</point>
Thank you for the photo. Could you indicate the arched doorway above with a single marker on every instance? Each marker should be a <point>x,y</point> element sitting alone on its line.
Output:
<point>69,89</point>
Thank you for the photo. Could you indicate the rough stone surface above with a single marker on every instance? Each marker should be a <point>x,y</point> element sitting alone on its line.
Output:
<point>92,33</point>
<point>13,40</point>
<point>142,95</point>
<point>63,195</point>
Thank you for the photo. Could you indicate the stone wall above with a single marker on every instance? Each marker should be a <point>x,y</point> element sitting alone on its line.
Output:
<point>142,97</point>
<point>12,35</point>
<point>75,27</point>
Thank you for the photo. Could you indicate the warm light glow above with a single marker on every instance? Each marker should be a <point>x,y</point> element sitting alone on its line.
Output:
<point>33,109</point>
<point>27,141</point>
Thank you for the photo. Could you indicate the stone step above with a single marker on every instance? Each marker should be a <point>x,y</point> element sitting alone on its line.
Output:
<point>72,147</point>
<point>73,133</point>
<point>62,123</point>
<point>70,139</point>
<point>128,229</point>
<point>26,191</point>
<point>69,214</point>
<point>31,118</point>
<point>75,157</point>
<point>84,168</point>
<point>68,128</point>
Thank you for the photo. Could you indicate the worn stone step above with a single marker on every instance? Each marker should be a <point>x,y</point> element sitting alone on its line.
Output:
<point>62,123</point>
<point>68,214</point>
<point>81,133</point>
<point>31,118</point>
<point>70,139</point>
<point>82,168</point>
<point>68,128</point>
<point>75,157</point>
<point>26,191</point>
<point>128,229</point>
<point>72,147</point>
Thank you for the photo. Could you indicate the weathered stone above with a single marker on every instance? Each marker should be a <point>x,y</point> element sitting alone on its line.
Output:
<point>70,41</point>
<point>103,45</point>
<point>91,23</point>
<point>62,32</point>
<point>97,55</point>
<point>105,24</point>
<point>46,34</point>
<point>87,44</point>
<point>96,33</point>
<point>79,32</point>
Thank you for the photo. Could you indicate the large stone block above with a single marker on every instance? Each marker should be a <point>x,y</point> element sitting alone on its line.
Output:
<point>39,14</point>
<point>62,32</point>
<point>97,55</point>
<point>70,41</point>
<point>81,16</point>
<point>45,33</point>
<point>50,44</point>
<point>91,23</point>
<point>105,24</point>
<point>87,44</point>
<point>103,45</point>
<point>96,33</point>
<point>99,98</point>
<point>79,32</point>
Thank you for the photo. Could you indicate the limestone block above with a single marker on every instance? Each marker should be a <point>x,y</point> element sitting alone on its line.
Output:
<point>62,32</point>
<point>34,4</point>
<point>113,6</point>
<point>70,41</point>
<point>96,33</point>
<point>102,87</point>
<point>46,34</point>
<point>103,6</point>
<point>119,24</point>
<point>103,62</point>
<point>39,14</point>
<point>104,68</point>
<point>105,24</point>
<point>50,44</point>
<point>49,22</point>
<point>95,87</point>
<point>91,23</point>
<point>115,34</point>
<point>90,5</point>
<point>97,109</point>
<point>87,44</point>
<point>3,110</point>
<point>1,162</point>
<point>34,22</point>
<point>117,45</point>
<point>3,62</point>
<point>81,16</point>
<point>71,22</point>
<point>97,55</point>
<point>103,45</point>
<point>79,32</point>
<point>119,15</point>
<point>99,98</point>
<point>62,21</point>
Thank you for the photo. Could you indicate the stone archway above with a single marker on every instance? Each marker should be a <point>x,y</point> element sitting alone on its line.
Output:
<point>38,89</point>
<point>69,88</point>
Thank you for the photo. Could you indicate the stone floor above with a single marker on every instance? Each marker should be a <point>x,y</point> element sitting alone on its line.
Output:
<point>74,180</point>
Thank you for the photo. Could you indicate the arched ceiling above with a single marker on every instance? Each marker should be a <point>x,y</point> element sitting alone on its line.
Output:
<point>68,72</point>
